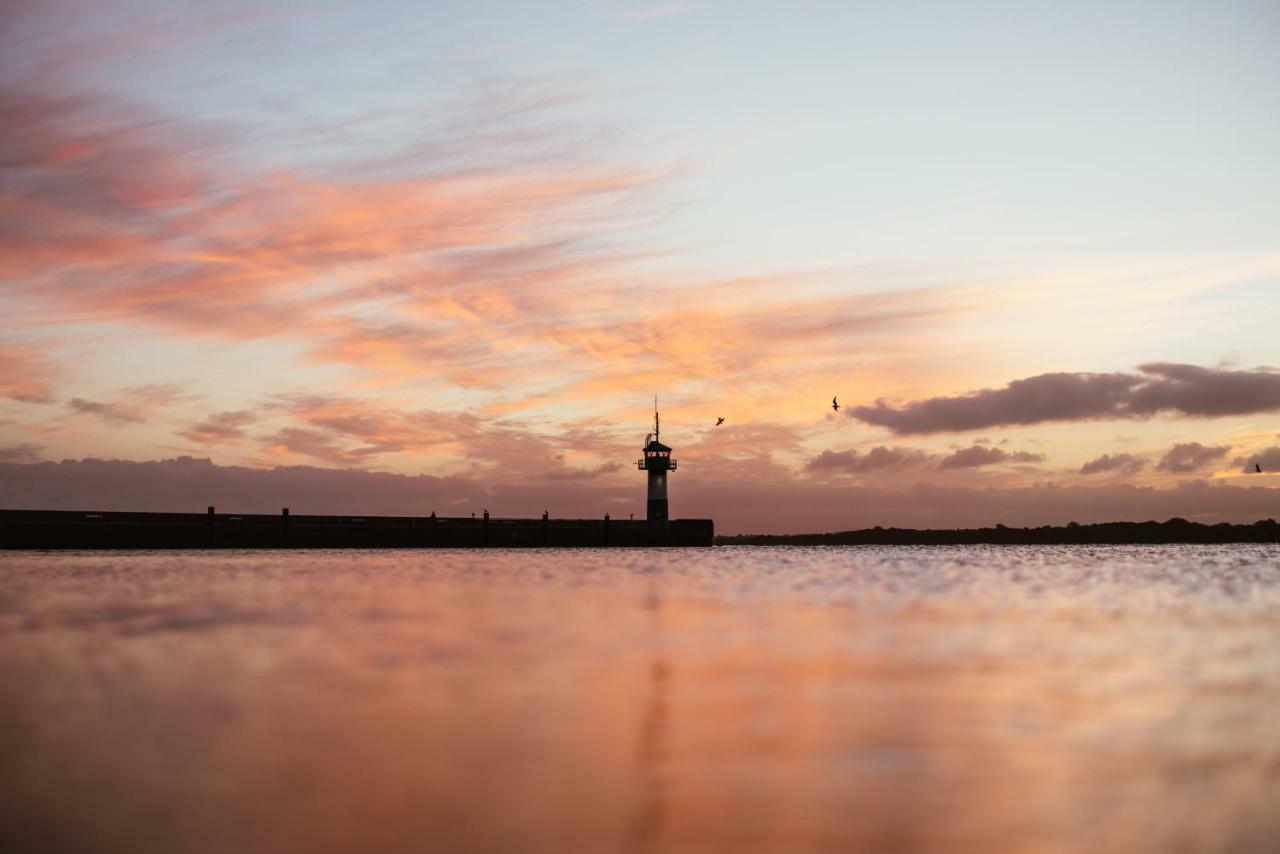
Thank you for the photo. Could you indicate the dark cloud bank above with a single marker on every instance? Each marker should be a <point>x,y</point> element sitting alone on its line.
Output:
<point>1158,388</point>
<point>737,500</point>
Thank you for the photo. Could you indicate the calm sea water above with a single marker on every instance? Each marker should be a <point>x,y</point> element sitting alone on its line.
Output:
<point>1101,699</point>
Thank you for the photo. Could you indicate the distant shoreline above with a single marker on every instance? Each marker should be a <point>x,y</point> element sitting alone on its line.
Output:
<point>1104,533</point>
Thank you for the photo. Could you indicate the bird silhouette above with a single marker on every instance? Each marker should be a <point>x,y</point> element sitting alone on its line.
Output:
<point>1257,467</point>
<point>719,421</point>
<point>835,404</point>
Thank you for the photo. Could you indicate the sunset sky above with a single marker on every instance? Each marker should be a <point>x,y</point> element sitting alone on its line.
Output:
<point>449,251</point>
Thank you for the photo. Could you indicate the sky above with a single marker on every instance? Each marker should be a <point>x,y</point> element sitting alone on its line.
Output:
<point>441,256</point>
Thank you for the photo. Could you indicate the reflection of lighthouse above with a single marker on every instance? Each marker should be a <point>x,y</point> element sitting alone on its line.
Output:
<point>657,462</point>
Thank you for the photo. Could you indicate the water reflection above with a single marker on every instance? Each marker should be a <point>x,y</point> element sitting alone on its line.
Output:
<point>651,747</point>
<point>729,700</point>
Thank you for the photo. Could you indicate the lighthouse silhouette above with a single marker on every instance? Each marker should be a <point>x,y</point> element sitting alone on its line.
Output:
<point>657,462</point>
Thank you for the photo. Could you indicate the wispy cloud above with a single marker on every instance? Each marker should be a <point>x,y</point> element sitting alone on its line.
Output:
<point>659,10</point>
<point>316,444</point>
<point>490,277</point>
<point>115,211</point>
<point>582,473</point>
<point>133,404</point>
<point>26,373</point>
<point>112,412</point>
<point>220,428</point>
<point>360,432</point>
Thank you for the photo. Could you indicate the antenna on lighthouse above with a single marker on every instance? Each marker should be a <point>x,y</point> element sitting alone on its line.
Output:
<point>656,430</point>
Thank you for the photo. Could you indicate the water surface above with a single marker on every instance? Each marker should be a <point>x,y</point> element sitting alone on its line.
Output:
<point>1102,699</point>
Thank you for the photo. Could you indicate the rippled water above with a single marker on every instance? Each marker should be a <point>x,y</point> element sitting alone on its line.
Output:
<point>1105,699</point>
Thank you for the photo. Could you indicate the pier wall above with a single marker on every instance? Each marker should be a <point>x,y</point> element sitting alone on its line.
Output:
<point>67,529</point>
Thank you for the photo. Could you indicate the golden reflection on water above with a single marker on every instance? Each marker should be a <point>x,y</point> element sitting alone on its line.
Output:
<point>648,701</point>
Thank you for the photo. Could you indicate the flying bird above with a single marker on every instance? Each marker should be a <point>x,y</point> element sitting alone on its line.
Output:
<point>1257,467</point>
<point>835,404</point>
<point>719,421</point>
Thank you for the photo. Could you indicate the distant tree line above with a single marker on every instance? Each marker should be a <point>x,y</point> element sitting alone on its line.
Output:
<point>1175,530</point>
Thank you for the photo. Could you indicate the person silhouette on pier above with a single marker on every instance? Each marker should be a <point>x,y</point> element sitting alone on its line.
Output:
<point>1257,467</point>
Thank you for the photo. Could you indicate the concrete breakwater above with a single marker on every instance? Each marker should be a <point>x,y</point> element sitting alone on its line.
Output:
<point>69,529</point>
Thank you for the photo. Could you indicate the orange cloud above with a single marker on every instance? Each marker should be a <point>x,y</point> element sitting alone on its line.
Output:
<point>220,428</point>
<point>133,405</point>
<point>27,374</point>
<point>493,278</point>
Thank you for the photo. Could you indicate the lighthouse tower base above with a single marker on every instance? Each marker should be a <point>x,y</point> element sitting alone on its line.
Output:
<point>657,504</point>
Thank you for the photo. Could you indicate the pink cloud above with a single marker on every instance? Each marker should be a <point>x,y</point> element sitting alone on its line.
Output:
<point>112,412</point>
<point>27,374</point>
<point>120,214</point>
<point>220,428</point>
<point>297,441</point>
<point>359,432</point>
<point>117,211</point>
<point>133,405</point>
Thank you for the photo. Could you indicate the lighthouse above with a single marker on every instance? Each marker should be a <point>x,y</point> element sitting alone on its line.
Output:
<point>657,462</point>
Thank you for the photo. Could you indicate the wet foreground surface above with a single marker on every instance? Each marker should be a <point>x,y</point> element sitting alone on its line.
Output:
<point>1047,699</point>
